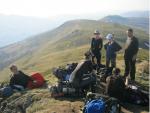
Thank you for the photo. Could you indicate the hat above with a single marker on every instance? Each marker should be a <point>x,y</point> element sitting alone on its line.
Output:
<point>109,37</point>
<point>96,32</point>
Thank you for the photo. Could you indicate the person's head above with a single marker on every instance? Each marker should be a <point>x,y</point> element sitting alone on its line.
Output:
<point>88,55</point>
<point>116,71</point>
<point>96,33</point>
<point>130,32</point>
<point>109,37</point>
<point>13,69</point>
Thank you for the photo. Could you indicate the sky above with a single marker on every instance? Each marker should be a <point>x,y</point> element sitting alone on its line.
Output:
<point>53,8</point>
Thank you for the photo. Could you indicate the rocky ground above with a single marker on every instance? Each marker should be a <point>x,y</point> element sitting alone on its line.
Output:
<point>40,101</point>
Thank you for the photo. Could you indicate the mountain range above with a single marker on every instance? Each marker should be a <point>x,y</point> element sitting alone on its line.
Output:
<point>17,28</point>
<point>137,22</point>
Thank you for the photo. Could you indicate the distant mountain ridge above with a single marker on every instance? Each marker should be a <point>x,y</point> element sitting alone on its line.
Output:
<point>15,28</point>
<point>143,14</point>
<point>137,22</point>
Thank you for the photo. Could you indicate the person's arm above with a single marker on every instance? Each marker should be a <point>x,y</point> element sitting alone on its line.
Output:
<point>118,47</point>
<point>92,46</point>
<point>101,44</point>
<point>28,77</point>
<point>105,46</point>
<point>12,81</point>
<point>107,85</point>
<point>136,48</point>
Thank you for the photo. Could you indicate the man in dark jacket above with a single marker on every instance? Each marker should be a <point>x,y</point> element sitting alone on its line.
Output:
<point>131,50</point>
<point>96,46</point>
<point>111,48</point>
<point>18,80</point>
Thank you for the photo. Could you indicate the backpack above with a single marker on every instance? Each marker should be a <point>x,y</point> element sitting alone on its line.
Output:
<point>97,103</point>
<point>63,74</point>
<point>95,106</point>
<point>115,87</point>
<point>136,96</point>
<point>6,91</point>
<point>39,81</point>
<point>104,72</point>
<point>60,73</point>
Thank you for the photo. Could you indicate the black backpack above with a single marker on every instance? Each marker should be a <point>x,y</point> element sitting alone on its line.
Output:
<point>136,96</point>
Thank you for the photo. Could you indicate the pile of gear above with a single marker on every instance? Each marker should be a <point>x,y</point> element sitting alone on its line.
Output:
<point>107,87</point>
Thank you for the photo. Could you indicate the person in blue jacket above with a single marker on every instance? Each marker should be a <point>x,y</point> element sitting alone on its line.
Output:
<point>111,48</point>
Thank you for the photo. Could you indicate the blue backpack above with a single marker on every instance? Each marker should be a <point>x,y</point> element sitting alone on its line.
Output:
<point>7,91</point>
<point>98,103</point>
<point>95,106</point>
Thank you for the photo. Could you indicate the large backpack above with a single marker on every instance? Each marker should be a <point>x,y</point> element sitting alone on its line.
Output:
<point>39,81</point>
<point>115,87</point>
<point>97,103</point>
<point>95,106</point>
<point>136,96</point>
<point>63,74</point>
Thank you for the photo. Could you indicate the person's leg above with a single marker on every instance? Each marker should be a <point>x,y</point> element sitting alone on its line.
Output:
<point>98,58</point>
<point>93,57</point>
<point>107,62</point>
<point>1,92</point>
<point>113,62</point>
<point>132,69</point>
<point>127,67</point>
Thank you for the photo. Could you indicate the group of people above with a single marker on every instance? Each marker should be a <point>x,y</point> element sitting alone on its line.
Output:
<point>112,47</point>
<point>20,81</point>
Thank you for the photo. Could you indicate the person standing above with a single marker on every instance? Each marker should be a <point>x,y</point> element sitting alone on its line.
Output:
<point>131,50</point>
<point>96,46</point>
<point>111,48</point>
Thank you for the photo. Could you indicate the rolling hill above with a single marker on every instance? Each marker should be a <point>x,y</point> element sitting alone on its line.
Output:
<point>66,43</point>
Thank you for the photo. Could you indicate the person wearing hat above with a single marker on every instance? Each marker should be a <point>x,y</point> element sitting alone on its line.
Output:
<point>111,48</point>
<point>131,50</point>
<point>96,46</point>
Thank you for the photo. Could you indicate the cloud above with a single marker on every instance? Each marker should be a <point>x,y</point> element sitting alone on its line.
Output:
<point>50,8</point>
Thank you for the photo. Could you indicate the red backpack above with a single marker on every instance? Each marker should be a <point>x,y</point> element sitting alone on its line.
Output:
<point>39,81</point>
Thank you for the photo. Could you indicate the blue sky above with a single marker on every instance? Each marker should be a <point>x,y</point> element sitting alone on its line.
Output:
<point>53,8</point>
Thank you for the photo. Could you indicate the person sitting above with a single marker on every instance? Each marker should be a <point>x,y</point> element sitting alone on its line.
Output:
<point>83,68</point>
<point>115,85</point>
<point>18,79</point>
